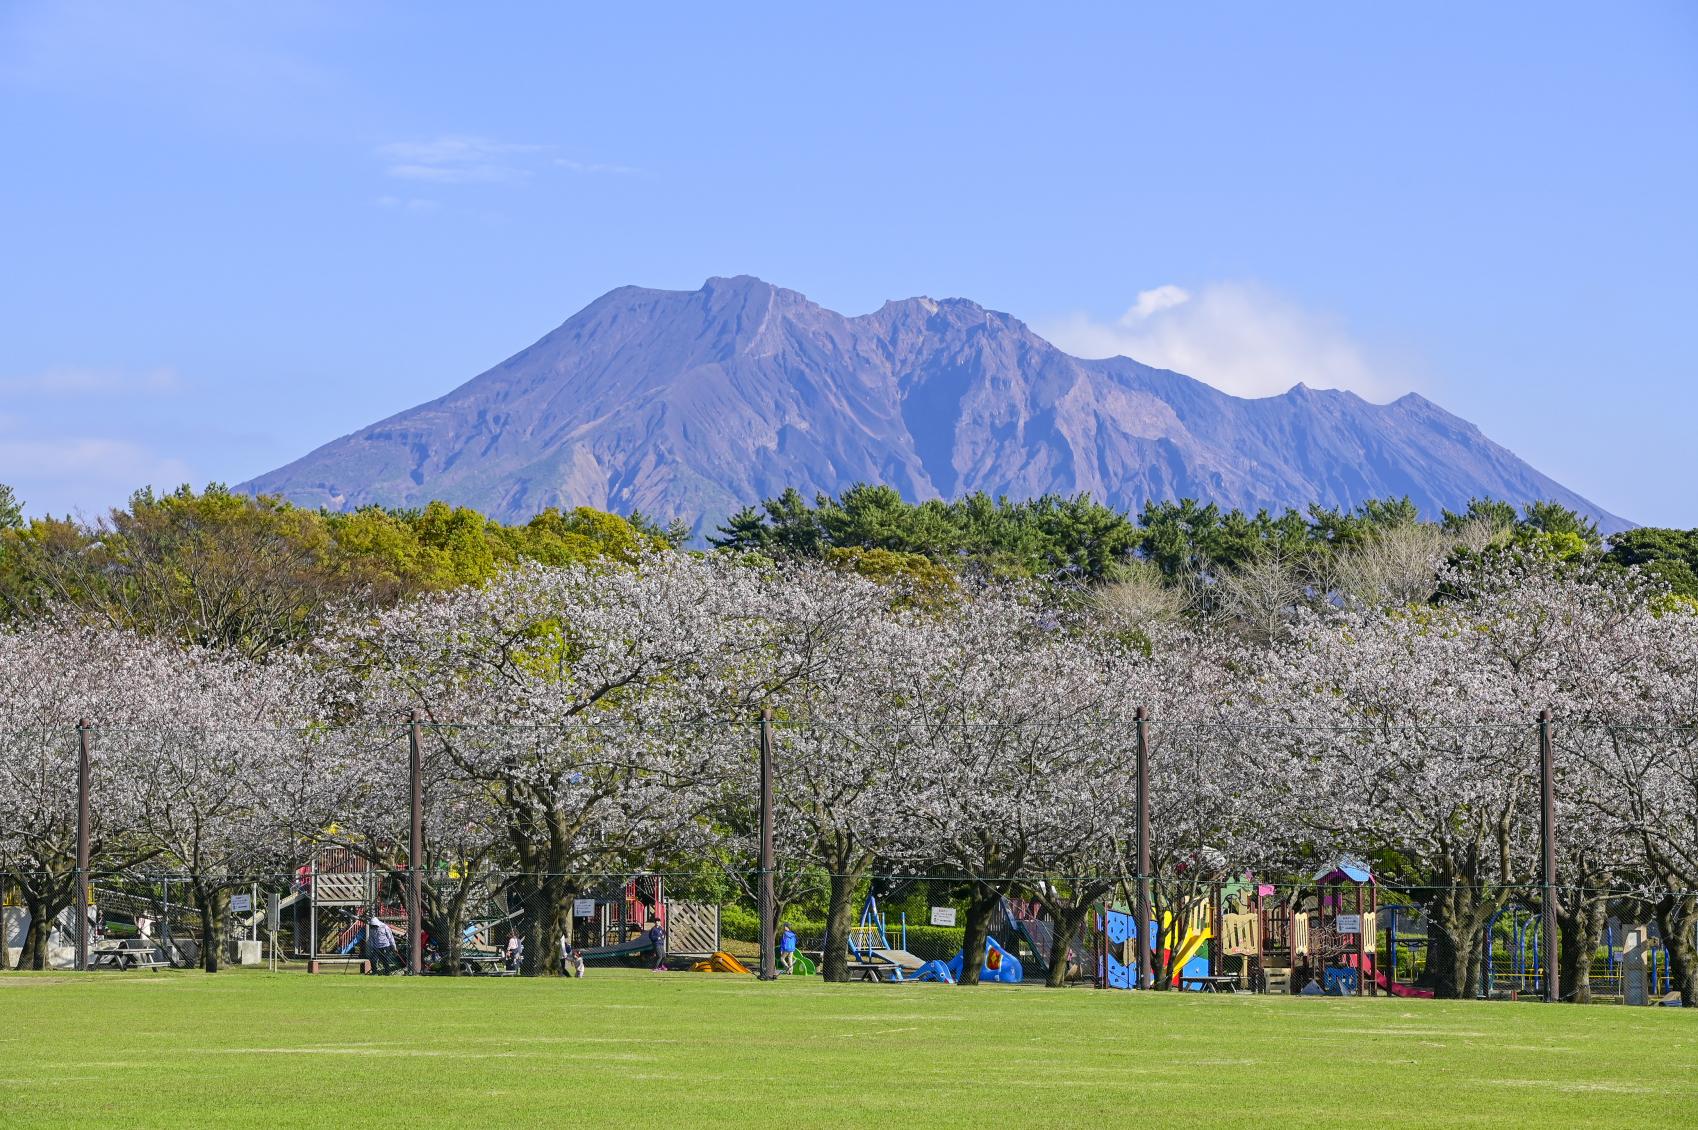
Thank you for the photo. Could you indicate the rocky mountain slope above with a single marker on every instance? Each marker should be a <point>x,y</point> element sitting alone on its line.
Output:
<point>693,403</point>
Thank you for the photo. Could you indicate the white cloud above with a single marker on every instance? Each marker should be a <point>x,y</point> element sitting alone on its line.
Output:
<point>466,159</point>
<point>73,381</point>
<point>1239,337</point>
<point>69,473</point>
<point>1163,297</point>
<point>594,167</point>
<point>459,159</point>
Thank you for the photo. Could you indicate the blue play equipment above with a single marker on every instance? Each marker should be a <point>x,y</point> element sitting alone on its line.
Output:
<point>1341,981</point>
<point>1000,965</point>
<point>870,933</point>
<point>933,971</point>
<point>1122,928</point>
<point>1521,964</point>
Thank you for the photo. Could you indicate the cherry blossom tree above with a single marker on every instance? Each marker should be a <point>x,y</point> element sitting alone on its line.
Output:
<point>1417,726</point>
<point>590,699</point>
<point>52,674</point>
<point>207,777</point>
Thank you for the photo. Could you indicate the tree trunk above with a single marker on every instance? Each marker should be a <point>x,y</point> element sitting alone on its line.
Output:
<point>1677,916</point>
<point>1065,924</point>
<point>545,913</point>
<point>447,918</point>
<point>839,906</point>
<point>979,910</point>
<point>210,902</point>
<point>1581,918</point>
<point>34,954</point>
<point>1456,923</point>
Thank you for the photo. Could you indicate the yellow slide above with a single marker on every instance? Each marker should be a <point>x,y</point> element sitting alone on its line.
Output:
<point>1188,948</point>
<point>721,962</point>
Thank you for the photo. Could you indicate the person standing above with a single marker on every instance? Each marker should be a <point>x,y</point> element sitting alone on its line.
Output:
<point>381,939</point>
<point>657,939</point>
<point>787,949</point>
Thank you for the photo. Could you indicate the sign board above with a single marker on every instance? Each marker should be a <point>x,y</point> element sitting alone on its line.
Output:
<point>241,904</point>
<point>273,912</point>
<point>943,916</point>
<point>583,908</point>
<point>1350,924</point>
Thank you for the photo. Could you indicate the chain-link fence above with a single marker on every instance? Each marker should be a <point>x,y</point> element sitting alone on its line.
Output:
<point>1341,931</point>
<point>897,849</point>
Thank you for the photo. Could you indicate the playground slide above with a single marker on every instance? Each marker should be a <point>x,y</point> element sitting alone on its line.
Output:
<point>902,959</point>
<point>623,949</point>
<point>1188,948</point>
<point>1396,989</point>
<point>721,962</point>
<point>1000,965</point>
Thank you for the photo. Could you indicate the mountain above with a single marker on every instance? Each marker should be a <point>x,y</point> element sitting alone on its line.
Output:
<point>694,403</point>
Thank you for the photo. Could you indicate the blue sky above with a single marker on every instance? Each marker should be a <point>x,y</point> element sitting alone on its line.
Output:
<point>234,232</point>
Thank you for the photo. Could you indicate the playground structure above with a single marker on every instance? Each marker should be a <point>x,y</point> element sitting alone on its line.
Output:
<point>1243,936</point>
<point>626,911</point>
<point>872,955</point>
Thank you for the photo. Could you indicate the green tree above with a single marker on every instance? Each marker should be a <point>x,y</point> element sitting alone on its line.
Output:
<point>11,510</point>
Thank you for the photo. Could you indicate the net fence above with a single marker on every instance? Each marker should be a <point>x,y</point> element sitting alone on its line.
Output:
<point>1402,856</point>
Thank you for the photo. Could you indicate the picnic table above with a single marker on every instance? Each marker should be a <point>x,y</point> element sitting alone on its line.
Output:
<point>490,964</point>
<point>127,955</point>
<point>874,971</point>
<point>1211,984</point>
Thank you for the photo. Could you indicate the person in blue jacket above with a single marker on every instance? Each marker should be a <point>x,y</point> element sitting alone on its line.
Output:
<point>787,949</point>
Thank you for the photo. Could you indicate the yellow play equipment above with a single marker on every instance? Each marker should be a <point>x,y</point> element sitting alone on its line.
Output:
<point>720,962</point>
<point>1190,940</point>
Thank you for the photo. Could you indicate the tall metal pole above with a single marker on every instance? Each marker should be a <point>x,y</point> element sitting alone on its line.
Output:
<point>82,843</point>
<point>768,904</point>
<point>415,850</point>
<point>1146,949</point>
<point>1548,825</point>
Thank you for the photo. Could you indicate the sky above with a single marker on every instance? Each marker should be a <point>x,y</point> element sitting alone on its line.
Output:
<point>233,232</point>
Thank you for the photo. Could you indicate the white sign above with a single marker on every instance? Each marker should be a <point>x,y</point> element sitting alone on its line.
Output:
<point>943,916</point>
<point>241,903</point>
<point>583,908</point>
<point>1350,924</point>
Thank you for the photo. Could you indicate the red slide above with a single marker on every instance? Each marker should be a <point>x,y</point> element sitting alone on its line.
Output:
<point>1397,990</point>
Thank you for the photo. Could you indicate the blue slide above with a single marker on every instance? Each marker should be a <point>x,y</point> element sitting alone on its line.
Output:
<point>1000,965</point>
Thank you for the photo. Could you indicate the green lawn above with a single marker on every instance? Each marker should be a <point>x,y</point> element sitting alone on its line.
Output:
<point>636,1049</point>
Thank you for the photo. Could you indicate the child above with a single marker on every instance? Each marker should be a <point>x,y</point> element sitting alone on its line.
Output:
<point>787,949</point>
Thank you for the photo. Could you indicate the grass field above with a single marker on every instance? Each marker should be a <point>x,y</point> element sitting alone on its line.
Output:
<point>638,1049</point>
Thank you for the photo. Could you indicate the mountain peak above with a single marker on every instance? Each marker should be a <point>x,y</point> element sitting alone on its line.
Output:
<point>692,404</point>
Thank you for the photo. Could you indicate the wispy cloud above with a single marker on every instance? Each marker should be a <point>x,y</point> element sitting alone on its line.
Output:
<point>595,167</point>
<point>1239,337</point>
<point>65,474</point>
<point>468,159</point>
<point>460,159</point>
<point>73,381</point>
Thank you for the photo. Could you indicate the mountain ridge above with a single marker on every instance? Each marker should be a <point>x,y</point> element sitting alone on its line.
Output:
<point>694,403</point>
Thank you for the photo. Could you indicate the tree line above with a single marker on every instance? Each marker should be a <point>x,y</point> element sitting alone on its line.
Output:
<point>1359,684</point>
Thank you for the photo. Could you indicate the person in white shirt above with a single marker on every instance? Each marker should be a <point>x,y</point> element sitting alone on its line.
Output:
<point>381,939</point>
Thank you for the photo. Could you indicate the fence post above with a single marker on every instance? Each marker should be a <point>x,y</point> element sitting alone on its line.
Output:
<point>82,844</point>
<point>415,849</point>
<point>1548,828</point>
<point>1146,949</point>
<point>768,907</point>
